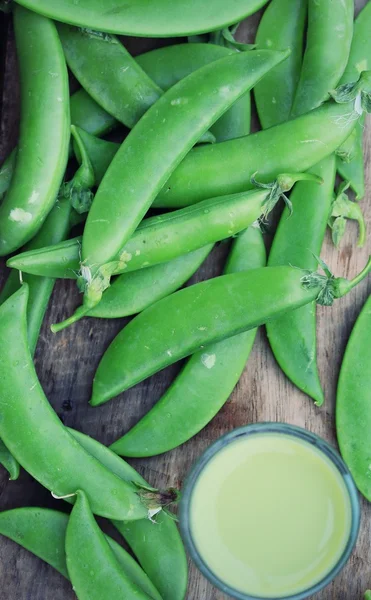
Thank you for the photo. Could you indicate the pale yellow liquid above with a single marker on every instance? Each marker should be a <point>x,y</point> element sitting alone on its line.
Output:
<point>270,515</point>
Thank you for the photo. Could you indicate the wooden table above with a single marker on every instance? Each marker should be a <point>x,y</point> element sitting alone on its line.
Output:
<point>66,363</point>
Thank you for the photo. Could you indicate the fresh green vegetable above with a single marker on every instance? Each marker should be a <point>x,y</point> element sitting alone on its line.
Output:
<point>42,531</point>
<point>35,436</point>
<point>41,157</point>
<point>157,545</point>
<point>139,169</point>
<point>296,145</point>
<point>353,402</point>
<point>163,18</point>
<point>93,568</point>
<point>205,382</point>
<point>208,312</point>
<point>359,60</point>
<point>298,240</point>
<point>159,239</point>
<point>282,26</point>
<point>329,37</point>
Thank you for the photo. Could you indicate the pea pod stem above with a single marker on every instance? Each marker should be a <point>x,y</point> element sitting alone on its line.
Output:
<point>343,209</point>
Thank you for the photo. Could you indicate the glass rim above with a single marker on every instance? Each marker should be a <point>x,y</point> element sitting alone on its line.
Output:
<point>256,428</point>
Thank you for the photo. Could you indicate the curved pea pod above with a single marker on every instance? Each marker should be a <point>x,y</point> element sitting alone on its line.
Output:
<point>226,168</point>
<point>353,403</point>
<point>159,239</point>
<point>9,462</point>
<point>208,312</point>
<point>359,60</point>
<point>111,76</point>
<point>282,26</point>
<point>139,170</point>
<point>330,31</point>
<point>92,566</point>
<point>161,19</point>
<point>131,293</point>
<point>42,531</point>
<point>297,241</point>
<point>168,65</point>
<point>157,546</point>
<point>44,108</point>
<point>205,382</point>
<point>35,436</point>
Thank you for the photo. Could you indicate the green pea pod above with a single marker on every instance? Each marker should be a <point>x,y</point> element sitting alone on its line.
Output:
<point>168,65</point>
<point>131,293</point>
<point>368,595</point>
<point>353,414</point>
<point>35,436</point>
<point>9,462</point>
<point>330,32</point>
<point>208,312</point>
<point>163,18</point>
<point>157,546</point>
<point>43,531</point>
<point>205,382</point>
<point>298,240</point>
<point>296,145</point>
<point>282,26</point>
<point>159,239</point>
<point>359,60</point>
<point>92,566</point>
<point>94,58</point>
<point>44,108</point>
<point>177,120</point>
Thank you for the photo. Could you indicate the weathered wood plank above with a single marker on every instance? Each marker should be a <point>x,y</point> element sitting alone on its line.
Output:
<point>66,364</point>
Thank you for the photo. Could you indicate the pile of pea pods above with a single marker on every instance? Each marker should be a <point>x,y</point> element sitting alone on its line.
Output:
<point>131,222</point>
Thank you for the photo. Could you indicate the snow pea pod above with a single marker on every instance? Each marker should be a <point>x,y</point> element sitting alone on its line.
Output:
<point>163,18</point>
<point>208,312</point>
<point>107,71</point>
<point>329,37</point>
<point>225,168</point>
<point>42,531</point>
<point>359,60</point>
<point>9,462</point>
<point>353,402</point>
<point>139,169</point>
<point>35,436</point>
<point>205,382</point>
<point>297,241</point>
<point>159,239</point>
<point>368,595</point>
<point>92,566</point>
<point>41,158</point>
<point>282,26</point>
<point>157,546</point>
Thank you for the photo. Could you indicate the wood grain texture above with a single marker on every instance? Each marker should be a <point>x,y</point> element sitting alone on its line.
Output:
<point>66,364</point>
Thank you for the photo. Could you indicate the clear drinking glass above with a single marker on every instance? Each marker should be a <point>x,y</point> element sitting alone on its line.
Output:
<point>256,429</point>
